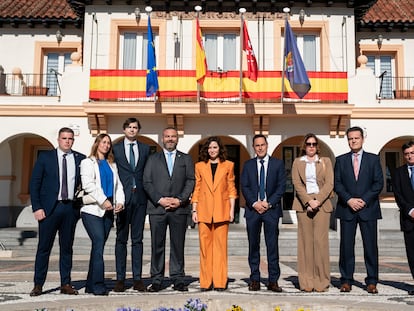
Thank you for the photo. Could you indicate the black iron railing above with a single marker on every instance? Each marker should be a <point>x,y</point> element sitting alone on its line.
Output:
<point>30,84</point>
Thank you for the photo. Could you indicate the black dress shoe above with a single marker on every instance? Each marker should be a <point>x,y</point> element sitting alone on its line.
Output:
<point>154,288</point>
<point>411,292</point>
<point>181,287</point>
<point>203,289</point>
<point>119,286</point>
<point>219,289</point>
<point>36,291</point>
<point>254,286</point>
<point>139,286</point>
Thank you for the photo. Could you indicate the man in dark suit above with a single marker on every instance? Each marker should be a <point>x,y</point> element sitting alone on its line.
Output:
<point>130,157</point>
<point>263,183</point>
<point>169,181</point>
<point>403,186</point>
<point>358,182</point>
<point>55,177</point>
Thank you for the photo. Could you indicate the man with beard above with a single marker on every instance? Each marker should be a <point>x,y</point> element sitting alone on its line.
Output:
<point>169,181</point>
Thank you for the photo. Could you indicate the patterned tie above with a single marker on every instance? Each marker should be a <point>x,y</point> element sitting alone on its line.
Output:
<point>64,178</point>
<point>262,181</point>
<point>412,176</point>
<point>356,166</point>
<point>170,163</point>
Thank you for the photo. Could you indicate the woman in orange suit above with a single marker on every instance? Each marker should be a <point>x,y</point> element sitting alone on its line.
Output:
<point>213,202</point>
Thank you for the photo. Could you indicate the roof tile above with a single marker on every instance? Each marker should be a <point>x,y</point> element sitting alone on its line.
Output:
<point>36,9</point>
<point>391,11</point>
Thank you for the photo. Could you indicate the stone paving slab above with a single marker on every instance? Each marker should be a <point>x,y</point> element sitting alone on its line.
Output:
<point>16,282</point>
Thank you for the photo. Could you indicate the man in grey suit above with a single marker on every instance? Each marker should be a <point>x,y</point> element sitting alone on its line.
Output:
<point>358,182</point>
<point>130,157</point>
<point>169,181</point>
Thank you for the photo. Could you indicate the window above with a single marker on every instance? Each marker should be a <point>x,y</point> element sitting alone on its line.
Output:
<point>383,67</point>
<point>55,64</point>
<point>309,48</point>
<point>222,51</point>
<point>133,50</point>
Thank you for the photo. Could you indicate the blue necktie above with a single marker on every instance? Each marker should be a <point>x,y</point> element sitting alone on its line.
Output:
<point>262,181</point>
<point>170,163</point>
<point>132,156</point>
<point>132,162</point>
<point>412,176</point>
<point>64,178</point>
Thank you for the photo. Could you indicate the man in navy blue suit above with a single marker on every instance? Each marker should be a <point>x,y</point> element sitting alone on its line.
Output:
<point>403,186</point>
<point>130,157</point>
<point>263,183</point>
<point>358,183</point>
<point>55,177</point>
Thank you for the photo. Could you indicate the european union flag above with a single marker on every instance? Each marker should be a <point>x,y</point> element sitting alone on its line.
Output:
<point>152,76</point>
<point>294,67</point>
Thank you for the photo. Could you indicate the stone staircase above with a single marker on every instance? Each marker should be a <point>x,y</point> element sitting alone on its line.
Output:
<point>23,242</point>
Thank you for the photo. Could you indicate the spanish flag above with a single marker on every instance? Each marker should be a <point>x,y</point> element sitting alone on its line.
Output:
<point>201,61</point>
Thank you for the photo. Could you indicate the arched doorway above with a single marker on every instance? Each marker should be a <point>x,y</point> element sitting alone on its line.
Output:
<point>238,154</point>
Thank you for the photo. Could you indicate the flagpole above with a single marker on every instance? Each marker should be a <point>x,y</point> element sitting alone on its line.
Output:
<point>286,11</point>
<point>241,11</point>
<point>197,8</point>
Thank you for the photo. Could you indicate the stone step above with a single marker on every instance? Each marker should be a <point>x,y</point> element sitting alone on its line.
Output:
<point>23,242</point>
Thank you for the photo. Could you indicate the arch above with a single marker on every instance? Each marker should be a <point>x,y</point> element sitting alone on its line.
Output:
<point>18,153</point>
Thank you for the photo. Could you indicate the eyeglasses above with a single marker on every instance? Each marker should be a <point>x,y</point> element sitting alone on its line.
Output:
<point>311,144</point>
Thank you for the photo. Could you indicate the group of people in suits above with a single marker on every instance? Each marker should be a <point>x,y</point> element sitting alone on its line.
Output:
<point>126,183</point>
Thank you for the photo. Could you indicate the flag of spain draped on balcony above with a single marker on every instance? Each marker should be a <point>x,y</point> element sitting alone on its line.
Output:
<point>251,59</point>
<point>152,76</point>
<point>201,61</point>
<point>294,67</point>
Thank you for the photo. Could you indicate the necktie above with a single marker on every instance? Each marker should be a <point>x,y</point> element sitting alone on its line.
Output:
<point>132,161</point>
<point>356,166</point>
<point>262,181</point>
<point>132,156</point>
<point>170,163</point>
<point>412,176</point>
<point>64,178</point>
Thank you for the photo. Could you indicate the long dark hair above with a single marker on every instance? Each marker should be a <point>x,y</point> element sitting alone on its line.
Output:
<point>204,149</point>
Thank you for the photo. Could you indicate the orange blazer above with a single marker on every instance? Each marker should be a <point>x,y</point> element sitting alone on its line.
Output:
<point>213,198</point>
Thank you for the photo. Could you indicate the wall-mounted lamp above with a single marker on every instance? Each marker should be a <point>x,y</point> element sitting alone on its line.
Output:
<point>379,41</point>
<point>301,17</point>
<point>59,36</point>
<point>137,13</point>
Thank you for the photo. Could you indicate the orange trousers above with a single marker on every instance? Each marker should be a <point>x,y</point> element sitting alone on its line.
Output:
<point>213,254</point>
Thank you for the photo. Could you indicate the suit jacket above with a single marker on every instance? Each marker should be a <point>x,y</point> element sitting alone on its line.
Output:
<point>275,184</point>
<point>158,183</point>
<point>324,179</point>
<point>404,195</point>
<point>127,175</point>
<point>45,180</point>
<point>368,186</point>
<point>213,198</point>
<point>91,183</point>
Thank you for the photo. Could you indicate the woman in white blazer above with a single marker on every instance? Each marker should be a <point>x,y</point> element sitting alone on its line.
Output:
<point>100,180</point>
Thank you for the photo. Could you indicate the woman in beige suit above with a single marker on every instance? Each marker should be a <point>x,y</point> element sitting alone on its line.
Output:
<point>213,209</point>
<point>312,177</point>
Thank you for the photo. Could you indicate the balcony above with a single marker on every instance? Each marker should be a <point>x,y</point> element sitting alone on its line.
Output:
<point>29,84</point>
<point>395,87</point>
<point>219,87</point>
